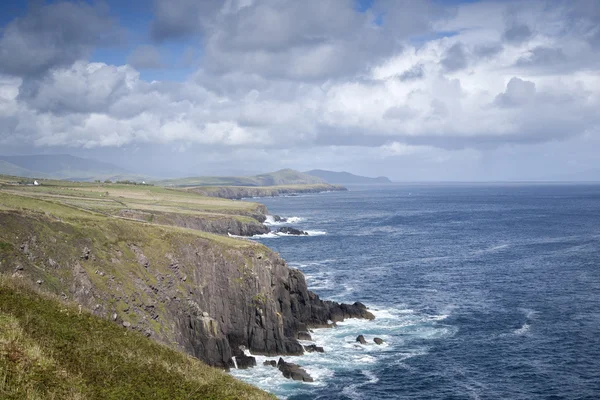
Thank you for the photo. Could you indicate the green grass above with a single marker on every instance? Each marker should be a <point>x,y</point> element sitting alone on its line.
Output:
<point>281,177</point>
<point>51,350</point>
<point>151,204</point>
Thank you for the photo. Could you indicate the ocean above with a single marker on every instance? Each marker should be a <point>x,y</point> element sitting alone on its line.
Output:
<point>481,291</point>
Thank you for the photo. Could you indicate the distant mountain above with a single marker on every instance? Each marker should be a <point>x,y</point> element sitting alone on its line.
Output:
<point>281,177</point>
<point>7,168</point>
<point>60,166</point>
<point>345,178</point>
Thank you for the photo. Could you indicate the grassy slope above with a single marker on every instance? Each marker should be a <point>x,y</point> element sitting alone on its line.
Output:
<point>112,199</point>
<point>281,177</point>
<point>50,350</point>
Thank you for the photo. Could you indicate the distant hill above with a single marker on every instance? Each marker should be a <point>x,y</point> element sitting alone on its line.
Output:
<point>281,177</point>
<point>7,168</point>
<point>345,178</point>
<point>61,166</point>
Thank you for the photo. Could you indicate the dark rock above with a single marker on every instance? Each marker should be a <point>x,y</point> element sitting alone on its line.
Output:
<point>86,253</point>
<point>277,218</point>
<point>304,336</point>
<point>291,231</point>
<point>293,371</point>
<point>313,347</point>
<point>361,339</point>
<point>244,362</point>
<point>378,340</point>
<point>271,363</point>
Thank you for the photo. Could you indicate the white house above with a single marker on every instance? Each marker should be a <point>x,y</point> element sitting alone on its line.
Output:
<point>36,183</point>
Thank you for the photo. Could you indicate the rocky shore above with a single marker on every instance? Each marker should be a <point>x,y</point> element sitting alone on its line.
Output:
<point>208,295</point>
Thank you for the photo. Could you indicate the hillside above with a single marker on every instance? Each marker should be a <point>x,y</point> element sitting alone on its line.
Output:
<point>50,349</point>
<point>127,254</point>
<point>61,166</point>
<point>345,178</point>
<point>7,168</point>
<point>246,192</point>
<point>281,177</point>
<point>148,203</point>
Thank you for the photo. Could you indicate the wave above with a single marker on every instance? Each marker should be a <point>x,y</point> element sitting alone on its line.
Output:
<point>524,329</point>
<point>275,235</point>
<point>270,221</point>
<point>402,329</point>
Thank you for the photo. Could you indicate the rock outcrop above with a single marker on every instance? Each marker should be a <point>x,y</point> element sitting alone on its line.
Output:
<point>286,230</point>
<point>314,348</point>
<point>293,371</point>
<point>361,339</point>
<point>378,340</point>
<point>244,362</point>
<point>219,224</point>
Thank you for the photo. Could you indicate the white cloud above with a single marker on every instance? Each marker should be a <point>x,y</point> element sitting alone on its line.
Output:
<point>317,77</point>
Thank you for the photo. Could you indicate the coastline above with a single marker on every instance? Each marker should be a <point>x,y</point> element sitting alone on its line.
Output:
<point>247,192</point>
<point>206,294</point>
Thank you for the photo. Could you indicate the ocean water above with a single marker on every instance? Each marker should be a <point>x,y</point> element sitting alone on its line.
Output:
<point>480,291</point>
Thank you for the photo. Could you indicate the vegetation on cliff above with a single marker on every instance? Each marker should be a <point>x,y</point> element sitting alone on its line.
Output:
<point>277,178</point>
<point>242,192</point>
<point>147,203</point>
<point>52,350</point>
<point>209,295</point>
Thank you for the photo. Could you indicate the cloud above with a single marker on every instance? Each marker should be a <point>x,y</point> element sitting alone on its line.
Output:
<point>455,58</point>
<point>145,57</point>
<point>542,56</point>
<point>401,79</point>
<point>518,92</point>
<point>54,35</point>
<point>415,72</point>
<point>176,19</point>
<point>517,33</point>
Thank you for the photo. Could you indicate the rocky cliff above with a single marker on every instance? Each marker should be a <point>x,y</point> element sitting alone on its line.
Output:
<point>243,192</point>
<point>200,292</point>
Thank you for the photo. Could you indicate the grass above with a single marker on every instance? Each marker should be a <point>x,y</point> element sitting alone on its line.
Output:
<point>51,350</point>
<point>151,203</point>
<point>282,177</point>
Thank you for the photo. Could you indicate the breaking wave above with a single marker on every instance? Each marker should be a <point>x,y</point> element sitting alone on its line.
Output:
<point>270,221</point>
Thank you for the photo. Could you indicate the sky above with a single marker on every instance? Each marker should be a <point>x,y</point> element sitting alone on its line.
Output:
<point>426,90</point>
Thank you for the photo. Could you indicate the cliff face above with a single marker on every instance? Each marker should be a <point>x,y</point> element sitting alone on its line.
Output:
<point>218,224</point>
<point>206,294</point>
<point>243,192</point>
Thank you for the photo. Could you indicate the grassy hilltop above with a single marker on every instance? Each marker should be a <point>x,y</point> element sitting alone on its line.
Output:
<point>151,204</point>
<point>281,177</point>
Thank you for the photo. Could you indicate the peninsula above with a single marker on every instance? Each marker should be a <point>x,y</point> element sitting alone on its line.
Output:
<point>158,262</point>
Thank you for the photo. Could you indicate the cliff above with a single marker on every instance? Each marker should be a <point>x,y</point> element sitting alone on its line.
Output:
<point>150,204</point>
<point>242,192</point>
<point>200,292</point>
<point>49,349</point>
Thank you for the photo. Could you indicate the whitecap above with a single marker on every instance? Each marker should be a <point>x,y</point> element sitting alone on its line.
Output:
<point>316,232</point>
<point>524,329</point>
<point>270,220</point>
<point>371,376</point>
